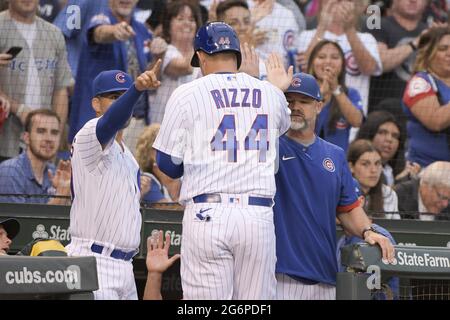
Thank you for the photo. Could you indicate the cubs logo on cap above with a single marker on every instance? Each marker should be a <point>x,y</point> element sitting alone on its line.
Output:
<point>111,81</point>
<point>328,164</point>
<point>305,84</point>
<point>296,82</point>
<point>120,77</point>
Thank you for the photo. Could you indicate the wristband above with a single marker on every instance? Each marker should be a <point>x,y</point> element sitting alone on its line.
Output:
<point>368,229</point>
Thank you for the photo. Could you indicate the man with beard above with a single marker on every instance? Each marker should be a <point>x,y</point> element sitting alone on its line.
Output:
<point>32,173</point>
<point>314,184</point>
<point>105,217</point>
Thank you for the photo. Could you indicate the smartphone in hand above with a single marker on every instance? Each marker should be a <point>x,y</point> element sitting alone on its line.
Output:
<point>14,51</point>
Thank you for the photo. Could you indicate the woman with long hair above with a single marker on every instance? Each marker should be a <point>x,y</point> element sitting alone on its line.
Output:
<point>342,105</point>
<point>426,100</point>
<point>366,166</point>
<point>180,24</point>
<point>388,137</point>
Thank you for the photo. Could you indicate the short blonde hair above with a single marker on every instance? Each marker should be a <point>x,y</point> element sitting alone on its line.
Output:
<point>144,147</point>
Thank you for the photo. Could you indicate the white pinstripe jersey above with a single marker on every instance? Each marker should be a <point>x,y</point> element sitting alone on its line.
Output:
<point>225,129</point>
<point>106,194</point>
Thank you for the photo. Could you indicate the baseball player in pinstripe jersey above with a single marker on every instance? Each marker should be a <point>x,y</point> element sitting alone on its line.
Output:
<point>219,132</point>
<point>314,185</point>
<point>105,220</point>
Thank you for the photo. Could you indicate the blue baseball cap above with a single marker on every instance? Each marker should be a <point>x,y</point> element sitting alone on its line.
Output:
<point>305,84</point>
<point>111,81</point>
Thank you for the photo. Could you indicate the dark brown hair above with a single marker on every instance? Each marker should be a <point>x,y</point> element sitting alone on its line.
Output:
<point>44,112</point>
<point>335,113</point>
<point>375,195</point>
<point>172,10</point>
<point>370,128</point>
<point>228,4</point>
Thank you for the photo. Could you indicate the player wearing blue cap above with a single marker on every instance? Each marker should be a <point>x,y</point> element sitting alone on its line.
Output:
<point>105,220</point>
<point>222,129</point>
<point>314,184</point>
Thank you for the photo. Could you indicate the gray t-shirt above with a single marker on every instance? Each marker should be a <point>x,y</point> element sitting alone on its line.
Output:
<point>50,56</point>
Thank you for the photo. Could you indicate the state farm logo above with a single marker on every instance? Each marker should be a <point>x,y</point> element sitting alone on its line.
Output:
<point>56,232</point>
<point>175,238</point>
<point>419,260</point>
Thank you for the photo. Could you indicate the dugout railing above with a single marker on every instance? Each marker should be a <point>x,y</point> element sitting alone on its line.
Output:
<point>417,273</point>
<point>53,221</point>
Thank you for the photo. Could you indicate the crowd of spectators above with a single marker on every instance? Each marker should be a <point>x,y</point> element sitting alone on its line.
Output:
<point>385,80</point>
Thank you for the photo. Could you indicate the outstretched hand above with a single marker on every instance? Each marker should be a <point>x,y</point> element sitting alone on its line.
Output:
<point>250,60</point>
<point>276,73</point>
<point>61,179</point>
<point>158,260</point>
<point>148,79</point>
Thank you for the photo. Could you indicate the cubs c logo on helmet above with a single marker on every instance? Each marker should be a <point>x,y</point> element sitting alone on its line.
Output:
<point>120,77</point>
<point>328,164</point>
<point>296,82</point>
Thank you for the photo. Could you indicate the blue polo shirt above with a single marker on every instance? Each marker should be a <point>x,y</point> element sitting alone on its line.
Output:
<point>394,282</point>
<point>95,58</point>
<point>17,177</point>
<point>340,135</point>
<point>313,184</point>
<point>425,146</point>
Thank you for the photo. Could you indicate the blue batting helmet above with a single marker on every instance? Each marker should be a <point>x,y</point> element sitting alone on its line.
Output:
<point>214,37</point>
<point>305,84</point>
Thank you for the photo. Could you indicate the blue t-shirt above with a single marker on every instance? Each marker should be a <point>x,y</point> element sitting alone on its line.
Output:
<point>155,193</point>
<point>341,133</point>
<point>313,184</point>
<point>425,146</point>
<point>17,177</point>
<point>74,29</point>
<point>394,282</point>
<point>95,58</point>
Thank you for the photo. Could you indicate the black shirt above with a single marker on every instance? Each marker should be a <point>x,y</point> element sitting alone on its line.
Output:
<point>392,84</point>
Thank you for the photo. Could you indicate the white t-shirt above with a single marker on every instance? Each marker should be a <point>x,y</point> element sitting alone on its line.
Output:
<point>388,174</point>
<point>225,127</point>
<point>158,98</point>
<point>282,32</point>
<point>33,89</point>
<point>390,202</point>
<point>354,77</point>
